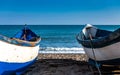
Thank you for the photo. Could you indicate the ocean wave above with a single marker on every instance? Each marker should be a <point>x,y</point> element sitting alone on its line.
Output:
<point>61,50</point>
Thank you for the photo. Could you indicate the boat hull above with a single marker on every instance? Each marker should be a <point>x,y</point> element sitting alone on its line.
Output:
<point>16,58</point>
<point>7,68</point>
<point>105,53</point>
<point>100,45</point>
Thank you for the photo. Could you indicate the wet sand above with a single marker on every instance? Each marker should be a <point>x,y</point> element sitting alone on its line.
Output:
<point>60,64</point>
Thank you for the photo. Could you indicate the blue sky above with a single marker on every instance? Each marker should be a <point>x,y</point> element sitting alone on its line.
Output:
<point>59,12</point>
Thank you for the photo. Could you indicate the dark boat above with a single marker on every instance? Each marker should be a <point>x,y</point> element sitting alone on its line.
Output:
<point>100,45</point>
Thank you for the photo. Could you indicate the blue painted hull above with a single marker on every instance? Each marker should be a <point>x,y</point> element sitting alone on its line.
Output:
<point>14,68</point>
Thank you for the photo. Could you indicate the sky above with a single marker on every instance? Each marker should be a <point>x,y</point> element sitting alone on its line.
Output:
<point>59,12</point>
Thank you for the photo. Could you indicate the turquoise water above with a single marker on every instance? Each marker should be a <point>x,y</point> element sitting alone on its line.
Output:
<point>54,37</point>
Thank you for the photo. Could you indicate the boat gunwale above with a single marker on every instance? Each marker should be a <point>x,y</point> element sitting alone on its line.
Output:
<point>8,40</point>
<point>101,41</point>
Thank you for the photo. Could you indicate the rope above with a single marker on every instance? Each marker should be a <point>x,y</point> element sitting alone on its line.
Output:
<point>90,36</point>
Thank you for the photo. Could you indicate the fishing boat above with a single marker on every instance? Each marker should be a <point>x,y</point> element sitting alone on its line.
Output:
<point>17,53</point>
<point>101,46</point>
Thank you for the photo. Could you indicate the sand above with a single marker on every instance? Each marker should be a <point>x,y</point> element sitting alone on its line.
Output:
<point>78,57</point>
<point>60,64</point>
<point>67,64</point>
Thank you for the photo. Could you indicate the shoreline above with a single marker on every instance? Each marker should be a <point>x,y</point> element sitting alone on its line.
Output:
<point>60,64</point>
<point>73,56</point>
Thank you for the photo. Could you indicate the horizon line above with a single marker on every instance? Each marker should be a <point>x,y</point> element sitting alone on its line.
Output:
<point>59,24</point>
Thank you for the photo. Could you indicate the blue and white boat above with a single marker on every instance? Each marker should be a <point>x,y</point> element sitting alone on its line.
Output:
<point>19,52</point>
<point>100,45</point>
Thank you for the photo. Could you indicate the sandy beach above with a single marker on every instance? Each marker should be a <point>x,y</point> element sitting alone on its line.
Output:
<point>67,64</point>
<point>60,64</point>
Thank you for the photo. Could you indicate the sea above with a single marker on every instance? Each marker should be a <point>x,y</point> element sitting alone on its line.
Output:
<point>55,38</point>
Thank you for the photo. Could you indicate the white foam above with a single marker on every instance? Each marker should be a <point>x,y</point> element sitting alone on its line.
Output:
<point>61,50</point>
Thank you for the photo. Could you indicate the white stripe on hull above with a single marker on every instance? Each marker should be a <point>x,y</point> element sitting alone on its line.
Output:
<point>104,53</point>
<point>14,53</point>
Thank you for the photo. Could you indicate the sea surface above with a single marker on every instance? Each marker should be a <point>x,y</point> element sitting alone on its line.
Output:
<point>55,38</point>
